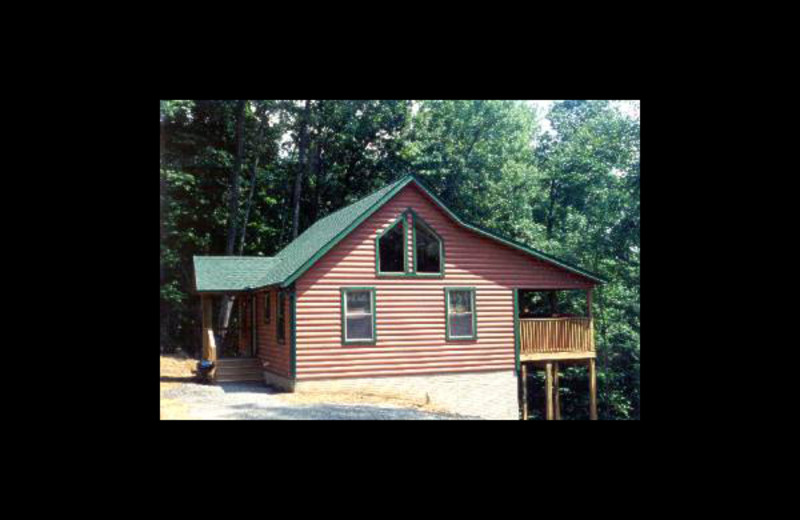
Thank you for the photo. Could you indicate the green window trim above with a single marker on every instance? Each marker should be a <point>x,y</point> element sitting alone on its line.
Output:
<point>280,318</point>
<point>267,306</point>
<point>345,341</point>
<point>402,219</point>
<point>409,273</point>
<point>474,336</point>
<point>417,219</point>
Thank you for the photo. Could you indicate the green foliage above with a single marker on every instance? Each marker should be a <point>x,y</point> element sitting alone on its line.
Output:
<point>572,192</point>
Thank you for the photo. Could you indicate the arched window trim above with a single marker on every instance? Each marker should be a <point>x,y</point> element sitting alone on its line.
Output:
<point>402,219</point>
<point>417,219</point>
<point>412,272</point>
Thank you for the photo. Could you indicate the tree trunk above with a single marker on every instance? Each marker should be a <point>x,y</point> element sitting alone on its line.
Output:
<point>551,210</point>
<point>298,179</point>
<point>164,206</point>
<point>261,133</point>
<point>316,171</point>
<point>247,207</point>
<point>233,213</point>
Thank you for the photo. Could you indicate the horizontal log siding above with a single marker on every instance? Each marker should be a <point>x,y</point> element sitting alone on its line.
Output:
<point>269,350</point>
<point>410,312</point>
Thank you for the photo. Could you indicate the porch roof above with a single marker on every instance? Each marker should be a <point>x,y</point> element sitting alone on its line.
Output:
<point>230,273</point>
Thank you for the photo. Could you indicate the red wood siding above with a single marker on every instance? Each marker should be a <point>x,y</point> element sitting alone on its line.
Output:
<point>410,312</point>
<point>269,350</point>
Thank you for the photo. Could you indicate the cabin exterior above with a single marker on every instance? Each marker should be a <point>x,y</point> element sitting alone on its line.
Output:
<point>397,295</point>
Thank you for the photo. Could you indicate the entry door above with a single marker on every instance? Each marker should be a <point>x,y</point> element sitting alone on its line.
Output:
<point>253,327</point>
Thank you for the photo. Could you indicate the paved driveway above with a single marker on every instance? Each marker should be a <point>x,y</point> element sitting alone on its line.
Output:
<point>256,401</point>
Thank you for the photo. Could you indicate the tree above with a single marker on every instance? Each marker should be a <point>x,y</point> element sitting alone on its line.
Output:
<point>226,302</point>
<point>301,168</point>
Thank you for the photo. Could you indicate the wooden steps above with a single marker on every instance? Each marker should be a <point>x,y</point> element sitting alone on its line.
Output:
<point>239,369</point>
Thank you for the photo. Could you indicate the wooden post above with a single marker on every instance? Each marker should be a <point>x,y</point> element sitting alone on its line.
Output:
<point>553,305</point>
<point>589,303</point>
<point>548,384</point>
<point>589,315</point>
<point>524,392</point>
<point>555,391</point>
<point>592,390</point>
<point>242,317</point>
<point>209,344</point>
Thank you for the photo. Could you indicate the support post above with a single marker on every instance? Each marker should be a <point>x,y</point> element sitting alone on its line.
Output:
<point>555,391</point>
<point>591,321</point>
<point>553,295</point>
<point>524,392</point>
<point>209,344</point>
<point>548,384</point>
<point>589,303</point>
<point>592,390</point>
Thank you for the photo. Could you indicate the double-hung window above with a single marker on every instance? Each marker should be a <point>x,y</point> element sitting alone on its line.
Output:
<point>460,309</point>
<point>358,315</point>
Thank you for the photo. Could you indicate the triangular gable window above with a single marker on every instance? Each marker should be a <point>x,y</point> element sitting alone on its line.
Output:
<point>394,243</point>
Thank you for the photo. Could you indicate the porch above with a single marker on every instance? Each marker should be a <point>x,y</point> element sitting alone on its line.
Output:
<point>234,349</point>
<point>548,340</point>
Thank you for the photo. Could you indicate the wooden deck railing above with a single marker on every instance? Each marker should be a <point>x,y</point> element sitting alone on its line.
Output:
<point>556,335</point>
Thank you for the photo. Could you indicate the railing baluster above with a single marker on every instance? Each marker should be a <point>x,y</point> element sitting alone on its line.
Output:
<point>552,335</point>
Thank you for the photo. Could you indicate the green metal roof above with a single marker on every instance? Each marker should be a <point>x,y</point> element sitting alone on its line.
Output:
<point>232,273</point>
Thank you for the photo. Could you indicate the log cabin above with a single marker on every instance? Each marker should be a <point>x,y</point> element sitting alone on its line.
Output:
<point>397,295</point>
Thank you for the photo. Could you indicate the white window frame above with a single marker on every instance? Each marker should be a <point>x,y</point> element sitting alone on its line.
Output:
<point>449,313</point>
<point>346,314</point>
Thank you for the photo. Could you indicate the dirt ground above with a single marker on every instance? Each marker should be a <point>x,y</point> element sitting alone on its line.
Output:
<point>359,398</point>
<point>175,371</point>
<point>183,398</point>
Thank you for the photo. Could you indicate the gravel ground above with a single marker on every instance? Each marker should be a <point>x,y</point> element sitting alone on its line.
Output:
<point>256,401</point>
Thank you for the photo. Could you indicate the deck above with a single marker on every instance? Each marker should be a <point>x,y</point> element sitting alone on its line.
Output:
<point>547,342</point>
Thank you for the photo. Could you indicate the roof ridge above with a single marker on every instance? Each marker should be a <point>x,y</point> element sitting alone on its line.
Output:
<point>386,187</point>
<point>491,233</point>
<point>301,253</point>
<point>340,210</point>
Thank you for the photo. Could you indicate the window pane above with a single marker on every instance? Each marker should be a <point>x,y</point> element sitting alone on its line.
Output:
<point>391,246</point>
<point>460,301</point>
<point>359,327</point>
<point>427,251</point>
<point>358,302</point>
<point>461,325</point>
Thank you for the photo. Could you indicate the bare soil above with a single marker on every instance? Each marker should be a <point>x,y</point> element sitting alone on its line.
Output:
<point>175,371</point>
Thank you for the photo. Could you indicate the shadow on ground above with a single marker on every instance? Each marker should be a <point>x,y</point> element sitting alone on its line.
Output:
<point>175,379</point>
<point>331,412</point>
<point>254,387</point>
